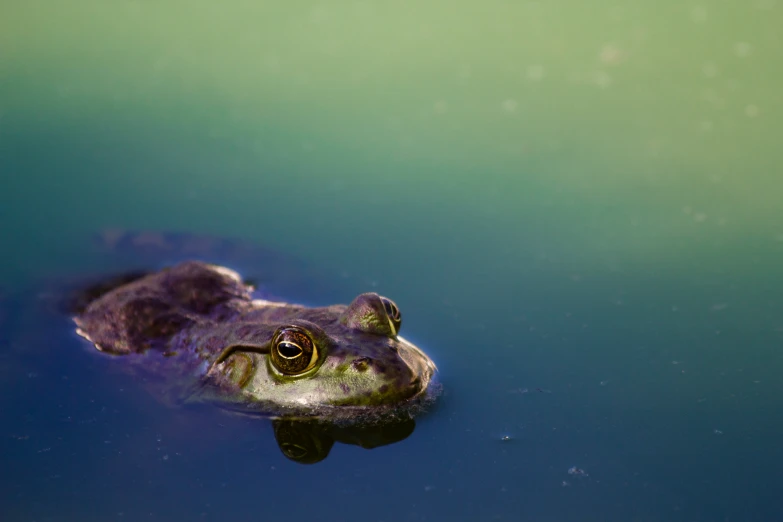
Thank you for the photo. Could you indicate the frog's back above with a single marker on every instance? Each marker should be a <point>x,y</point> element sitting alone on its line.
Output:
<point>145,313</point>
<point>116,258</point>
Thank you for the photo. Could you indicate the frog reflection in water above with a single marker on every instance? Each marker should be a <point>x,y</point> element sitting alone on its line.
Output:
<point>196,327</point>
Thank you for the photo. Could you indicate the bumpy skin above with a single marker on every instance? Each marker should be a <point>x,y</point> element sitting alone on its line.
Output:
<point>197,327</point>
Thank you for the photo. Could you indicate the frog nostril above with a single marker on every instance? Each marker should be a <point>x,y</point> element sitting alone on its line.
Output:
<point>361,364</point>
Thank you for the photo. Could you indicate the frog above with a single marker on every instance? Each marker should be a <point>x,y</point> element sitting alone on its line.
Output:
<point>209,336</point>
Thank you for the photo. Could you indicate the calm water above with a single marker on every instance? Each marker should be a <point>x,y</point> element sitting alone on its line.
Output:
<point>577,206</point>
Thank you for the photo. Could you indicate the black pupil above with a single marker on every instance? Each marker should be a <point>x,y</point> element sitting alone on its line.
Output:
<point>289,350</point>
<point>391,310</point>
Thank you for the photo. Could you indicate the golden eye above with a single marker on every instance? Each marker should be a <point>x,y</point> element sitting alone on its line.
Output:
<point>293,351</point>
<point>393,313</point>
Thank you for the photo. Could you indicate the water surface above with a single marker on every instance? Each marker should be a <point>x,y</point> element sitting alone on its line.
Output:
<point>576,206</point>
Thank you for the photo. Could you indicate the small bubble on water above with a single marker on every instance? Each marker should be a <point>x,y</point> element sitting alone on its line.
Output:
<point>742,49</point>
<point>602,80</point>
<point>440,107</point>
<point>510,105</point>
<point>611,55</point>
<point>535,73</point>
<point>699,14</point>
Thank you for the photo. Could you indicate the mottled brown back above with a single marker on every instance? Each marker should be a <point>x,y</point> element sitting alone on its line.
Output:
<point>146,312</point>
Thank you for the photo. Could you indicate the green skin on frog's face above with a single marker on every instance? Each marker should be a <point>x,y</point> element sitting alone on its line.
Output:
<point>260,356</point>
<point>298,357</point>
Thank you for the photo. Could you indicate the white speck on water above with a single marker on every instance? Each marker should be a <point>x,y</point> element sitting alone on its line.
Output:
<point>577,472</point>
<point>751,111</point>
<point>710,70</point>
<point>510,105</point>
<point>602,80</point>
<point>535,73</point>
<point>441,107</point>
<point>699,14</point>
<point>611,55</point>
<point>717,432</point>
<point>742,49</point>
<point>699,217</point>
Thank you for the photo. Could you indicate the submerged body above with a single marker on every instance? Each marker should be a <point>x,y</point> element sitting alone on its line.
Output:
<point>197,328</point>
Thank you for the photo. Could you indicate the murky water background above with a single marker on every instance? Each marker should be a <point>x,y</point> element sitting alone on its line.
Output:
<point>576,205</point>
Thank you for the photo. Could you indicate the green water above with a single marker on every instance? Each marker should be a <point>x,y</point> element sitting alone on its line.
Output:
<point>558,194</point>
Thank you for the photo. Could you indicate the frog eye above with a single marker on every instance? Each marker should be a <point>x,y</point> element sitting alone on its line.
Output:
<point>293,351</point>
<point>373,314</point>
<point>393,313</point>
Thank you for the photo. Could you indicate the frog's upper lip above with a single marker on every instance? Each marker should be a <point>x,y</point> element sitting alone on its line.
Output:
<point>421,367</point>
<point>413,356</point>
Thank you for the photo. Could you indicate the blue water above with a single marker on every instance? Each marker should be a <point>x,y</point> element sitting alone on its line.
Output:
<point>599,372</point>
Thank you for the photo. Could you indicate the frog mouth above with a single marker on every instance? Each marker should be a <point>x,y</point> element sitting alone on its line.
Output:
<point>421,366</point>
<point>422,369</point>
